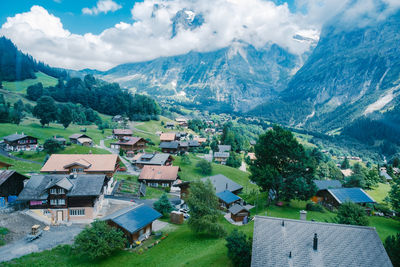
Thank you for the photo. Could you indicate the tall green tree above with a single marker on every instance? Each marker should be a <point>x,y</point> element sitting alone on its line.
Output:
<point>345,164</point>
<point>45,110</point>
<point>65,115</point>
<point>204,213</point>
<point>239,248</point>
<point>392,246</point>
<point>351,213</point>
<point>163,205</point>
<point>99,240</point>
<point>394,195</point>
<point>52,146</point>
<point>204,166</point>
<point>283,166</point>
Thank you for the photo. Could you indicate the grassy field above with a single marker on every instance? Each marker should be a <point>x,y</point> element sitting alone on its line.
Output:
<point>32,127</point>
<point>20,166</point>
<point>21,86</point>
<point>379,193</point>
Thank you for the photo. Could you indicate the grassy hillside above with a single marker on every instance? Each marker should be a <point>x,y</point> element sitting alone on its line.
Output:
<point>21,86</point>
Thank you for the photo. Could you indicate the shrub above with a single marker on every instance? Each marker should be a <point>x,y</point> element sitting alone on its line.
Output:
<point>204,166</point>
<point>239,248</point>
<point>163,205</point>
<point>392,246</point>
<point>311,206</point>
<point>351,213</point>
<point>167,189</point>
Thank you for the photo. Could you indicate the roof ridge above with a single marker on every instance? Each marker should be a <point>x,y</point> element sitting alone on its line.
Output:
<point>315,222</point>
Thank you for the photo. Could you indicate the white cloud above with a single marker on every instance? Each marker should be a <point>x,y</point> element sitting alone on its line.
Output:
<point>103,6</point>
<point>257,22</point>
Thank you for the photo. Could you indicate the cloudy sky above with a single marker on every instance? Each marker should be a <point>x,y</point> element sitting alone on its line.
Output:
<point>101,34</point>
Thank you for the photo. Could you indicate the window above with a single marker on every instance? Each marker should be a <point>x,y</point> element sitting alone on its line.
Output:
<point>57,201</point>
<point>77,212</point>
<point>60,191</point>
<point>53,191</point>
<point>53,201</point>
<point>61,201</point>
<point>165,184</point>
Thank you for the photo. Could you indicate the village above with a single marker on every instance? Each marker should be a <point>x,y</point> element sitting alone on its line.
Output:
<point>121,175</point>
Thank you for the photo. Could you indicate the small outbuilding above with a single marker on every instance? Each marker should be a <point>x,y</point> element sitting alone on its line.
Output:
<point>11,183</point>
<point>227,199</point>
<point>81,139</point>
<point>135,221</point>
<point>238,212</point>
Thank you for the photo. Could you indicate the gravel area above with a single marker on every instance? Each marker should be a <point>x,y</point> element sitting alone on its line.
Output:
<point>18,224</point>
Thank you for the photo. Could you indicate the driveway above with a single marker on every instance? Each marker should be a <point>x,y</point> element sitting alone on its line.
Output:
<point>57,235</point>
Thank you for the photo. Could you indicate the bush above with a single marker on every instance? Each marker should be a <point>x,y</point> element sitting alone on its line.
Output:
<point>383,208</point>
<point>239,248</point>
<point>311,206</point>
<point>52,146</point>
<point>392,246</point>
<point>167,189</point>
<point>351,213</point>
<point>99,240</point>
<point>163,205</point>
<point>204,166</point>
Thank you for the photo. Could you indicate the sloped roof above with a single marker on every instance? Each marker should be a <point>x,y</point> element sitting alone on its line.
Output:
<point>15,137</point>
<point>346,172</point>
<point>338,244</point>
<point>235,209</point>
<point>221,154</point>
<point>122,131</point>
<point>194,143</point>
<point>82,185</point>
<point>159,173</point>
<point>167,137</point>
<point>134,218</point>
<point>227,196</point>
<point>7,174</point>
<point>99,162</point>
<point>156,159</point>
<point>386,175</point>
<point>170,145</point>
<point>79,135</point>
<point>356,195</point>
<point>129,140</point>
<point>252,156</point>
<point>224,148</point>
<point>221,183</point>
<point>327,184</point>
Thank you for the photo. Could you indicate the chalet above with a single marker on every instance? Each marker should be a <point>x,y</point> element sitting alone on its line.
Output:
<point>201,140</point>
<point>159,176</point>
<point>239,212</point>
<point>61,140</point>
<point>135,221</point>
<point>183,146</point>
<point>156,159</point>
<point>224,148</point>
<point>11,183</point>
<point>252,156</point>
<point>385,175</point>
<point>65,197</point>
<point>222,183</point>
<point>121,133</point>
<point>346,172</point>
<point>5,165</point>
<point>169,147</point>
<point>194,144</point>
<point>323,185</point>
<point>18,142</point>
<point>184,187</point>
<point>81,139</point>
<point>167,137</point>
<point>182,122</point>
<point>227,199</point>
<point>336,196</point>
<point>287,242</point>
<point>253,143</point>
<point>170,125</point>
<point>209,130</point>
<point>130,143</point>
<point>117,118</point>
<point>221,157</point>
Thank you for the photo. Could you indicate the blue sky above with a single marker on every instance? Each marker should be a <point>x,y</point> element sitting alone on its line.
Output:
<point>70,13</point>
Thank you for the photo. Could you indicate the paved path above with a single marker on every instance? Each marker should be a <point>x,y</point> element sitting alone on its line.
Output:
<point>243,167</point>
<point>55,236</point>
<point>129,167</point>
<point>8,155</point>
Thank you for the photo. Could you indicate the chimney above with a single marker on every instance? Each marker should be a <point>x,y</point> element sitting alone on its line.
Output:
<point>315,243</point>
<point>283,223</point>
<point>226,186</point>
<point>303,215</point>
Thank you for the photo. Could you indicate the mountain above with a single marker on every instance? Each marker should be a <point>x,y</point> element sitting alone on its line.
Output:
<point>353,73</point>
<point>237,77</point>
<point>17,66</point>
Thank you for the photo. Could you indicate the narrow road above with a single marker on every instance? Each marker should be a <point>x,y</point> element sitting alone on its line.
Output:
<point>8,155</point>
<point>243,167</point>
<point>129,167</point>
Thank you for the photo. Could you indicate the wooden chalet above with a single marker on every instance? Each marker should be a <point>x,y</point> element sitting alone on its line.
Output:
<point>221,157</point>
<point>64,198</point>
<point>167,137</point>
<point>239,212</point>
<point>130,143</point>
<point>159,176</point>
<point>61,140</point>
<point>182,122</point>
<point>154,159</point>
<point>11,183</point>
<point>18,142</point>
<point>121,133</point>
<point>169,147</point>
<point>81,139</point>
<point>227,199</point>
<point>136,222</point>
<point>201,140</point>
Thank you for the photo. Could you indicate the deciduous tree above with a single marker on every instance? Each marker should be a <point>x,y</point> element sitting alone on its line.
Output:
<point>239,248</point>
<point>351,213</point>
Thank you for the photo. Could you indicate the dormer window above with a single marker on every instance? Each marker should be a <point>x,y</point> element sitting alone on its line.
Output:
<point>53,191</point>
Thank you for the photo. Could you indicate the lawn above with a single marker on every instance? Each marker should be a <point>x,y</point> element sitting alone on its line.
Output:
<point>380,192</point>
<point>32,127</point>
<point>21,166</point>
<point>21,86</point>
<point>151,192</point>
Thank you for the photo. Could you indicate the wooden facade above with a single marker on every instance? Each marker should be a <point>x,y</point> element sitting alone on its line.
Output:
<point>25,143</point>
<point>11,183</point>
<point>240,216</point>
<point>136,236</point>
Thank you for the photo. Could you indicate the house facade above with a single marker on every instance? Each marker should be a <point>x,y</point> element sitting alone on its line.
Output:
<point>130,143</point>
<point>221,157</point>
<point>20,142</point>
<point>11,183</point>
<point>81,139</point>
<point>65,198</point>
<point>169,147</point>
<point>159,176</point>
<point>156,159</point>
<point>121,133</point>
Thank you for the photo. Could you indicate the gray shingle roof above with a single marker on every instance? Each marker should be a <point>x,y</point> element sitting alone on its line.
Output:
<point>170,145</point>
<point>82,185</point>
<point>194,143</point>
<point>222,183</point>
<point>386,175</point>
<point>14,137</point>
<point>327,184</point>
<point>156,159</point>
<point>224,148</point>
<point>235,209</point>
<point>338,245</point>
<point>221,154</point>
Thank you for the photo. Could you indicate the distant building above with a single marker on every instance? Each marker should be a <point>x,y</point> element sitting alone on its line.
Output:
<point>169,147</point>
<point>239,212</point>
<point>61,140</point>
<point>336,196</point>
<point>252,156</point>
<point>385,175</point>
<point>323,185</point>
<point>65,198</point>
<point>182,122</point>
<point>224,148</point>
<point>157,159</point>
<point>11,183</point>
<point>222,183</point>
<point>18,142</point>
<point>287,242</point>
<point>167,137</point>
<point>201,140</point>
<point>121,133</point>
<point>135,221</point>
<point>170,125</point>
<point>221,157</point>
<point>159,176</point>
<point>227,199</point>
<point>346,172</point>
<point>81,139</point>
<point>130,143</point>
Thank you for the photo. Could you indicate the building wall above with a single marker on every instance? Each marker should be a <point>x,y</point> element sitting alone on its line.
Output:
<point>327,198</point>
<point>240,216</point>
<point>13,186</point>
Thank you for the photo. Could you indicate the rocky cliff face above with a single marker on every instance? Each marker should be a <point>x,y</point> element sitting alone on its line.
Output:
<point>238,77</point>
<point>352,72</point>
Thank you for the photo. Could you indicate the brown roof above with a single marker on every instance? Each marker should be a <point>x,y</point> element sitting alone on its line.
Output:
<point>252,156</point>
<point>92,162</point>
<point>122,131</point>
<point>167,137</point>
<point>129,140</point>
<point>200,139</point>
<point>347,172</point>
<point>159,173</point>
